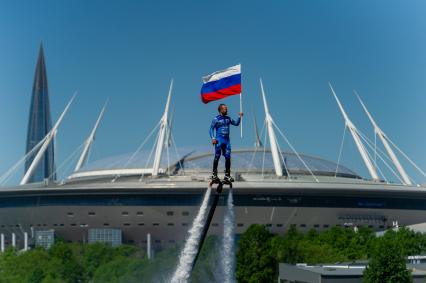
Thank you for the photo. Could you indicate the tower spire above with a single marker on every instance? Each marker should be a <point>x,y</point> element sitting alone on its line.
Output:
<point>40,122</point>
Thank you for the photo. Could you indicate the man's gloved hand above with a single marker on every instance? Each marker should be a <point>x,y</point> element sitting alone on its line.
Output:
<point>214,141</point>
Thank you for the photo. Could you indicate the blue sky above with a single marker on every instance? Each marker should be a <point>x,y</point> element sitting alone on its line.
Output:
<point>128,51</point>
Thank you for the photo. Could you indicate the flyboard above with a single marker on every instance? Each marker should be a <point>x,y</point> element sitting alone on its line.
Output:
<point>219,187</point>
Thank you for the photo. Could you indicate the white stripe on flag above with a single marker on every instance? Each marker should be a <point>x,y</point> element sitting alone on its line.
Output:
<point>234,70</point>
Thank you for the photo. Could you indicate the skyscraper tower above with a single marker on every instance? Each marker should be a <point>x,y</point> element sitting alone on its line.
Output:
<point>40,123</point>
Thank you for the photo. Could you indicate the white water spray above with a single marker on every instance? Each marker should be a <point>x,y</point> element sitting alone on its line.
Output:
<point>187,255</point>
<point>228,245</point>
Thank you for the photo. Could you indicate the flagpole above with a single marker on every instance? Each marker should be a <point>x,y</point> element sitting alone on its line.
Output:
<point>241,111</point>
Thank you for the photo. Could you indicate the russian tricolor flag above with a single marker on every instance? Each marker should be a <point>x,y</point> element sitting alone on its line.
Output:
<point>221,84</point>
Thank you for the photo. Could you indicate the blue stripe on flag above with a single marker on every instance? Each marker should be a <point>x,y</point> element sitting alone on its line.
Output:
<point>221,84</point>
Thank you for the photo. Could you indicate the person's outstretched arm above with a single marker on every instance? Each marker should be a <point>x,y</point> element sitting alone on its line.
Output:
<point>237,123</point>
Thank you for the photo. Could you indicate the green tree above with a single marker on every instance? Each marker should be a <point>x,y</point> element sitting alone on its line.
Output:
<point>387,265</point>
<point>288,248</point>
<point>95,255</point>
<point>161,267</point>
<point>64,263</point>
<point>314,253</point>
<point>120,269</point>
<point>360,244</point>
<point>312,247</point>
<point>411,242</point>
<point>26,267</point>
<point>254,260</point>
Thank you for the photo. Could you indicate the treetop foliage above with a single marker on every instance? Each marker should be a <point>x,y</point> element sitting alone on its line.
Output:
<point>258,254</point>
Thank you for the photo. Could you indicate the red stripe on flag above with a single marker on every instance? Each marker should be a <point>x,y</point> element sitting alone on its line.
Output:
<point>221,93</point>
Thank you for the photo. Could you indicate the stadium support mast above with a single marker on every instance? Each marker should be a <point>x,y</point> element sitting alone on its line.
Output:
<point>272,137</point>
<point>359,144</point>
<point>258,142</point>
<point>383,138</point>
<point>88,142</point>
<point>50,136</point>
<point>168,139</point>
<point>164,127</point>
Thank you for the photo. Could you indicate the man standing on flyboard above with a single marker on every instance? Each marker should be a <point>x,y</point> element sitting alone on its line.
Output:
<point>219,134</point>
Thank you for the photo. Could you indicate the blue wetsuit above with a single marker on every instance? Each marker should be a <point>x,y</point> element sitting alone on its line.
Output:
<point>220,126</point>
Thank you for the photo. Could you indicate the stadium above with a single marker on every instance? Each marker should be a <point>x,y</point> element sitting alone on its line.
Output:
<point>149,198</point>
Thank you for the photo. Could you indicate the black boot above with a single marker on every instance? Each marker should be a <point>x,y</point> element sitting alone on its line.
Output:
<point>214,178</point>
<point>228,178</point>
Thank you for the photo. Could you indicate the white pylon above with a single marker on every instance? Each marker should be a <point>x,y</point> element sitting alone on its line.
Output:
<point>89,141</point>
<point>50,135</point>
<point>272,138</point>
<point>388,148</point>
<point>357,140</point>
<point>162,134</point>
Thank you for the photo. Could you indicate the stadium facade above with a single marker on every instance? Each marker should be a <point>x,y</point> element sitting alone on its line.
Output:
<point>149,198</point>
